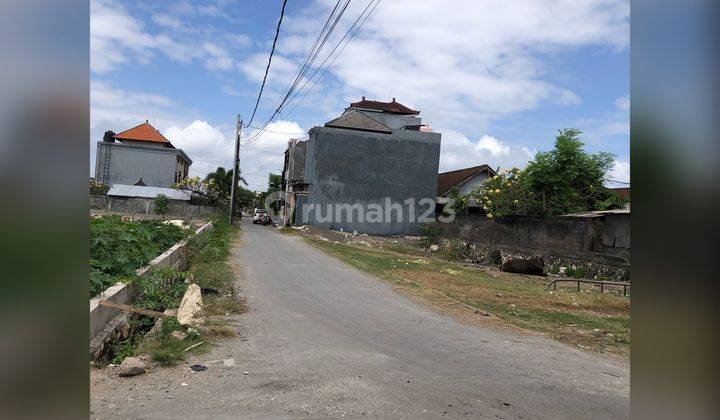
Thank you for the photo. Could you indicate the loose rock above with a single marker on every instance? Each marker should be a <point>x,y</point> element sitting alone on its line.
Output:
<point>434,248</point>
<point>131,366</point>
<point>523,266</point>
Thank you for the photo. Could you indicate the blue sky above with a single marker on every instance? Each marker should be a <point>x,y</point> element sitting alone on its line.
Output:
<point>496,78</point>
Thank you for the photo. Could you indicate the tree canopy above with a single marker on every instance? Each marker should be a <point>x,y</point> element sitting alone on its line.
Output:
<point>563,180</point>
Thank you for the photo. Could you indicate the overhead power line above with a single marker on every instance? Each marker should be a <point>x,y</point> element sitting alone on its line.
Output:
<point>325,70</point>
<point>309,60</point>
<point>267,68</point>
<point>292,93</point>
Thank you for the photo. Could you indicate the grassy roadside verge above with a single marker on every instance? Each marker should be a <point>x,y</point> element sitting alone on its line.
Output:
<point>163,288</point>
<point>587,319</point>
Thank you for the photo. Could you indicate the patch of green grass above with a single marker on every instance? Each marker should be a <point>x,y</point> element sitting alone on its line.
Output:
<point>166,349</point>
<point>159,289</point>
<point>575,272</point>
<point>121,350</point>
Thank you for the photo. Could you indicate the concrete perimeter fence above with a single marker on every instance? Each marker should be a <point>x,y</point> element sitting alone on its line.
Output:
<point>600,245</point>
<point>141,205</point>
<point>107,324</point>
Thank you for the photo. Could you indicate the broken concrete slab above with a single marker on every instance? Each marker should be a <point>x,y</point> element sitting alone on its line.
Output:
<point>190,310</point>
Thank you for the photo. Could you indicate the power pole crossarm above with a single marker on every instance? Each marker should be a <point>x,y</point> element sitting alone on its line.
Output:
<point>236,169</point>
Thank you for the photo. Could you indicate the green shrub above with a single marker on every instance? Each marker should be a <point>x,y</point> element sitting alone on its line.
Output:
<point>161,204</point>
<point>118,247</point>
<point>455,249</point>
<point>168,355</point>
<point>98,188</point>
<point>160,289</point>
<point>430,233</point>
<point>575,272</point>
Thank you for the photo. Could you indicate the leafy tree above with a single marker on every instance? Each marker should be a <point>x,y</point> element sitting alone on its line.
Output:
<point>564,180</point>
<point>245,198</point>
<point>460,202</point>
<point>274,184</point>
<point>161,203</point>
<point>222,181</point>
<point>567,179</point>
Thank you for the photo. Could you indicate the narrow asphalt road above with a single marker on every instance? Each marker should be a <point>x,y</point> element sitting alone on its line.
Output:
<point>323,339</point>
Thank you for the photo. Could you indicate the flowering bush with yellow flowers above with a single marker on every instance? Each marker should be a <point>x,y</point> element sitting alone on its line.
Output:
<point>505,194</point>
<point>98,188</point>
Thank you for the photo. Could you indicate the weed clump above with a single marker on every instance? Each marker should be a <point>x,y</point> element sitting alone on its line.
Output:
<point>118,247</point>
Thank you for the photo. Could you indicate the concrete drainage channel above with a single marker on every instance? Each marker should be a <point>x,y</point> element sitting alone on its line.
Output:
<point>109,325</point>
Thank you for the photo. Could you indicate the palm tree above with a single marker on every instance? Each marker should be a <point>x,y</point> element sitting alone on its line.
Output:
<point>223,179</point>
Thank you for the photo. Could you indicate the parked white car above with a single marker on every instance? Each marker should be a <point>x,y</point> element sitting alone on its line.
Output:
<point>261,216</point>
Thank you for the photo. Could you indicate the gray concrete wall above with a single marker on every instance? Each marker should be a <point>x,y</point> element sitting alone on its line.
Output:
<point>296,164</point>
<point>140,205</point>
<point>568,235</point>
<point>356,167</point>
<point>128,163</point>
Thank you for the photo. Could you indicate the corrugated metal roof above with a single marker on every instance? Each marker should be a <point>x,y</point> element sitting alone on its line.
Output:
<point>122,190</point>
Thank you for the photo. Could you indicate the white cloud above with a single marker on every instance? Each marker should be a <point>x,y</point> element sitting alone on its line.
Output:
<point>117,107</point>
<point>620,172</point>
<point>212,146</point>
<point>169,21</point>
<point>457,152</point>
<point>281,70</point>
<point>493,145</point>
<point>206,145</point>
<point>465,69</point>
<point>117,37</point>
<point>265,153</point>
<point>623,103</point>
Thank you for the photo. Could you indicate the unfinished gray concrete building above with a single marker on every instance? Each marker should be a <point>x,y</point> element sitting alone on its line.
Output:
<point>140,156</point>
<point>376,156</point>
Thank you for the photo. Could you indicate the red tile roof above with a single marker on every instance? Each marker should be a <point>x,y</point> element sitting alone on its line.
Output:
<point>447,180</point>
<point>391,107</point>
<point>143,132</point>
<point>623,192</point>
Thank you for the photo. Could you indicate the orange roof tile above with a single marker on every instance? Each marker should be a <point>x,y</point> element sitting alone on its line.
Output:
<point>143,132</point>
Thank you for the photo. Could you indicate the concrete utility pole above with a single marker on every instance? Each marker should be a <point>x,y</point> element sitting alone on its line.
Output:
<point>236,168</point>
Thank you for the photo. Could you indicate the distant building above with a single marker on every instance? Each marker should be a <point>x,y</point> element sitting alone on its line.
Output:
<point>373,154</point>
<point>465,180</point>
<point>623,192</point>
<point>140,156</point>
